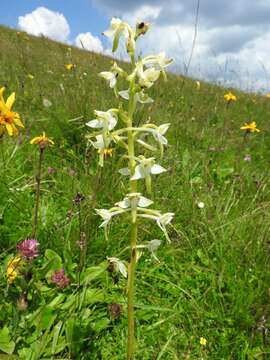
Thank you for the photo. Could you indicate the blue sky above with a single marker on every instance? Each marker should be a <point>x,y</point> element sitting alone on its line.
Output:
<point>82,15</point>
<point>232,45</point>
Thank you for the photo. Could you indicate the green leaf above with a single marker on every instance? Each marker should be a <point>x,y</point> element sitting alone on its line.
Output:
<point>93,272</point>
<point>196,180</point>
<point>92,296</point>
<point>185,158</point>
<point>57,300</point>
<point>46,318</point>
<point>56,332</point>
<point>203,257</point>
<point>54,259</point>
<point>6,344</point>
<point>100,325</point>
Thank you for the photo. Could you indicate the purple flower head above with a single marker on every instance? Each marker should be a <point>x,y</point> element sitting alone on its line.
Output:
<point>28,248</point>
<point>72,172</point>
<point>60,279</point>
<point>51,170</point>
<point>247,157</point>
<point>78,198</point>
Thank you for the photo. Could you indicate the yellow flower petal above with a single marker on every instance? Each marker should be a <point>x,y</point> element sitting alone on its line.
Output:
<point>18,121</point>
<point>10,101</point>
<point>9,129</point>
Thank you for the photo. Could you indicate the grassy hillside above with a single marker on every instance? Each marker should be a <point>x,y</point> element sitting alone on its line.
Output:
<point>211,282</point>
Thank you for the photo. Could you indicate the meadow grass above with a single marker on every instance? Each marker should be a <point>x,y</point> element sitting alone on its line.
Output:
<point>213,280</point>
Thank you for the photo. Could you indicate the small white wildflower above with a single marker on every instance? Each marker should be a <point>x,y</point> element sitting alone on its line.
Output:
<point>200,205</point>
<point>47,103</point>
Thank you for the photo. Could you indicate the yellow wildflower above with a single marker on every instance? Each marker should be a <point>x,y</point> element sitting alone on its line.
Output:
<point>229,97</point>
<point>41,140</point>
<point>12,268</point>
<point>8,118</point>
<point>250,127</point>
<point>108,152</point>
<point>69,66</point>
<point>198,85</point>
<point>203,341</point>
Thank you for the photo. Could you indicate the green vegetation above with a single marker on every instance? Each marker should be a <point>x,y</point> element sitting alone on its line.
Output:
<point>211,282</point>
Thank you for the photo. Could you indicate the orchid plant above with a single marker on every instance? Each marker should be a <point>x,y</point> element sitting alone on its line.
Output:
<point>115,127</point>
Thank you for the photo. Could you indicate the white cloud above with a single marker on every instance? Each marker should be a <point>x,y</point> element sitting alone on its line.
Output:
<point>89,42</point>
<point>143,13</point>
<point>43,21</point>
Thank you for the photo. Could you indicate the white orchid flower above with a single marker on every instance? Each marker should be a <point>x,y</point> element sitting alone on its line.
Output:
<point>146,77</point>
<point>112,75</point>
<point>143,98</point>
<point>162,220</point>
<point>101,144</point>
<point>152,247</point>
<point>120,28</point>
<point>106,120</point>
<point>140,97</point>
<point>133,201</point>
<point>107,215</point>
<point>118,265</point>
<point>159,61</point>
<point>144,170</point>
<point>159,132</point>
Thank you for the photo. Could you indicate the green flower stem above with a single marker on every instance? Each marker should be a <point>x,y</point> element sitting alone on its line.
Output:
<point>134,231</point>
<point>38,179</point>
